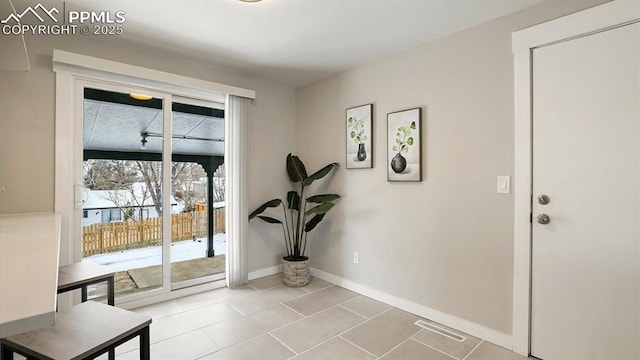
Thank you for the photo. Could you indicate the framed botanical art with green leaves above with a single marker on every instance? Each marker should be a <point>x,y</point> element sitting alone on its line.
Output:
<point>359,135</point>
<point>404,145</point>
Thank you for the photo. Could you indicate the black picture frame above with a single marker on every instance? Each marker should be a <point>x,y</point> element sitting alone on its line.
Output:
<point>404,145</point>
<point>359,146</point>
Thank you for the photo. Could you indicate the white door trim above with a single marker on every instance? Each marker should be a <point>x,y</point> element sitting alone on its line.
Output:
<point>140,76</point>
<point>596,19</point>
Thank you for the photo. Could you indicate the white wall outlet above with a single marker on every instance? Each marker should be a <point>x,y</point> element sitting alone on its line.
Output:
<point>503,185</point>
<point>356,257</point>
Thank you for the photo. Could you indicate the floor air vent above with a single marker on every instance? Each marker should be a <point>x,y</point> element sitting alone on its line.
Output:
<point>440,330</point>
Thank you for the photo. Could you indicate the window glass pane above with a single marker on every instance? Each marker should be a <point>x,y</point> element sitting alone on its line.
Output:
<point>123,174</point>
<point>197,188</point>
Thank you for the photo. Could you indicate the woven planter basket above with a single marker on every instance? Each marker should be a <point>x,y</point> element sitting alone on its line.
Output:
<point>295,273</point>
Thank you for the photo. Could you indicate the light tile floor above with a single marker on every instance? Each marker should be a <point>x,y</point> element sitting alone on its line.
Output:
<point>267,321</point>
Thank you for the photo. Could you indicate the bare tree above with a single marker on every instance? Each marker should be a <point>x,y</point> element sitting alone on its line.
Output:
<point>130,199</point>
<point>187,184</point>
<point>123,177</point>
<point>109,174</point>
<point>120,179</point>
<point>152,174</point>
<point>219,184</point>
<point>182,174</point>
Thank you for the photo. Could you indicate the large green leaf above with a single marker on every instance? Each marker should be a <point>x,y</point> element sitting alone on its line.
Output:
<point>320,209</point>
<point>311,224</point>
<point>323,198</point>
<point>263,207</point>
<point>293,200</point>
<point>319,174</point>
<point>296,169</point>
<point>269,219</point>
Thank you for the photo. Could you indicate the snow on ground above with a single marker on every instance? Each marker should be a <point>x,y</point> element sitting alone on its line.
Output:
<point>180,251</point>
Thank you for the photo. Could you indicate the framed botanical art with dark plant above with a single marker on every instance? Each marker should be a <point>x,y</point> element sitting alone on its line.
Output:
<point>359,135</point>
<point>404,145</point>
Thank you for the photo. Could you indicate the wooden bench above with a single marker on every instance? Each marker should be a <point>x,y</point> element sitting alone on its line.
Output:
<point>85,331</point>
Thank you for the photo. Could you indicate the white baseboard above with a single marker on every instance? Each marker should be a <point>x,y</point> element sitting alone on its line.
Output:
<point>480,331</point>
<point>265,272</point>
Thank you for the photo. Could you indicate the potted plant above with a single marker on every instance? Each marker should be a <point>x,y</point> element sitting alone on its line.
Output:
<point>404,140</point>
<point>358,136</point>
<point>301,215</point>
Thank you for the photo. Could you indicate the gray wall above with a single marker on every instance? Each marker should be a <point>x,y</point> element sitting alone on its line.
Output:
<point>27,125</point>
<point>446,242</point>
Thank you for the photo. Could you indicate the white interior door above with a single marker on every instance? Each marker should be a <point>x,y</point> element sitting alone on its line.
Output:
<point>586,160</point>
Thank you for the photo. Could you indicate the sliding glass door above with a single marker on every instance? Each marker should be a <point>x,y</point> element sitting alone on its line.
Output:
<point>153,173</point>
<point>198,242</point>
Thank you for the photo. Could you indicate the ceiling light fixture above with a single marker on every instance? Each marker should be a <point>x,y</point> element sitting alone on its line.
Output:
<point>140,96</point>
<point>145,135</point>
<point>250,1</point>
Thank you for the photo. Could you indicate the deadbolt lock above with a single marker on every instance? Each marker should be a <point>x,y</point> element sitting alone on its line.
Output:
<point>543,199</point>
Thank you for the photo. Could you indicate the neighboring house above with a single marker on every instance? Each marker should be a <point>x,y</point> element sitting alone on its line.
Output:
<point>105,206</point>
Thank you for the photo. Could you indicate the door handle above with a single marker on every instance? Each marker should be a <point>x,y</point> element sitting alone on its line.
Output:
<point>543,219</point>
<point>78,195</point>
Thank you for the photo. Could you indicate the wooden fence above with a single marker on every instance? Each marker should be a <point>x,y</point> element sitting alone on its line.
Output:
<point>103,238</point>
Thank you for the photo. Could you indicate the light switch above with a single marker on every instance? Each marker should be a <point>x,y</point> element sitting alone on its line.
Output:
<point>504,185</point>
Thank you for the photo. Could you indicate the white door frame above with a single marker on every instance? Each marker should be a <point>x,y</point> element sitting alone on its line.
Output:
<point>73,69</point>
<point>596,19</point>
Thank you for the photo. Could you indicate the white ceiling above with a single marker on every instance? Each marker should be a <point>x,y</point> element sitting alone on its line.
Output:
<point>295,42</point>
